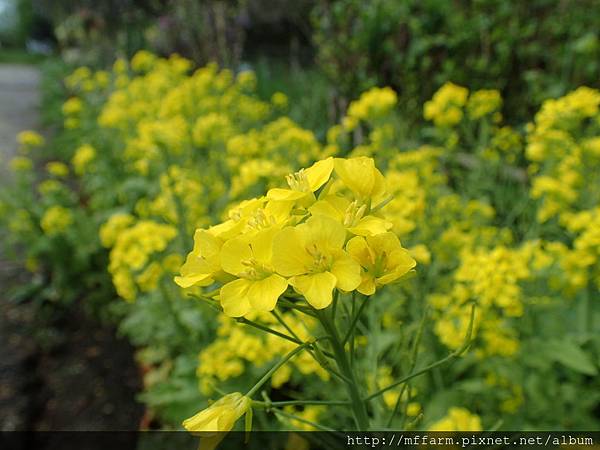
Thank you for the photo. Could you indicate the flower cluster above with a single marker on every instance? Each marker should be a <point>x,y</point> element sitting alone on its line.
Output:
<point>320,234</point>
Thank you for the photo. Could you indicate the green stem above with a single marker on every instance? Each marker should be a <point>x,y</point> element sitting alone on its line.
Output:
<point>269,330</point>
<point>432,366</point>
<point>359,407</point>
<point>413,363</point>
<point>355,321</point>
<point>299,402</point>
<point>273,369</point>
<point>283,324</point>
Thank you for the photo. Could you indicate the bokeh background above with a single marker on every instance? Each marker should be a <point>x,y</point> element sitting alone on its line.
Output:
<point>510,189</point>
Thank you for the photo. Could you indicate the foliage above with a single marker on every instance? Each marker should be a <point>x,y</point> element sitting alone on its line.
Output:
<point>527,50</point>
<point>158,160</point>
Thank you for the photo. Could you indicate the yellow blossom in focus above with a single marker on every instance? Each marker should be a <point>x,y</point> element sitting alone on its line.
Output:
<point>258,286</point>
<point>203,262</point>
<point>383,259</point>
<point>312,255</point>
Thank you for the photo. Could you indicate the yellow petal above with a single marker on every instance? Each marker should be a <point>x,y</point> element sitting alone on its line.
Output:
<point>262,245</point>
<point>326,208</point>
<point>399,263</point>
<point>285,194</point>
<point>324,232</point>
<point>370,226</point>
<point>367,286</point>
<point>318,174</point>
<point>202,262</point>
<point>358,174</point>
<point>194,280</point>
<point>317,288</point>
<point>234,298</point>
<point>357,248</point>
<point>290,257</point>
<point>347,271</point>
<point>205,420</point>
<point>233,253</point>
<point>263,294</point>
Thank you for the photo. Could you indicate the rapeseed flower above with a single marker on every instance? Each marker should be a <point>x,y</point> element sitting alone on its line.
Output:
<point>312,255</point>
<point>213,422</point>
<point>258,286</point>
<point>383,259</point>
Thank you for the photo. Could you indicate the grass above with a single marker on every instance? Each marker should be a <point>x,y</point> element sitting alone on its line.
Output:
<point>19,56</point>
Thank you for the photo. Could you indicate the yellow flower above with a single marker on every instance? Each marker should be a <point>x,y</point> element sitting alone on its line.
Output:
<point>383,258</point>
<point>82,158</point>
<point>218,419</point>
<point>72,106</point>
<point>21,164</point>
<point>257,287</point>
<point>203,262</point>
<point>362,177</point>
<point>446,107</point>
<point>458,419</point>
<point>57,168</point>
<point>29,138</point>
<point>351,215</point>
<point>304,182</point>
<point>55,220</point>
<point>312,254</point>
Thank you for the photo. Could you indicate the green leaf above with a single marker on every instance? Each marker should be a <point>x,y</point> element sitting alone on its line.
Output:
<point>572,356</point>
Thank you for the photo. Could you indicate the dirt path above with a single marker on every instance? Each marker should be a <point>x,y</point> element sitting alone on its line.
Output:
<point>19,104</point>
<point>59,370</point>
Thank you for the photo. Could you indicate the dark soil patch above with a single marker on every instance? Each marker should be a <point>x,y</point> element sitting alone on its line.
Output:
<point>78,376</point>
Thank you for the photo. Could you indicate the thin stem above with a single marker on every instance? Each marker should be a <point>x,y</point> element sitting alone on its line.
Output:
<point>269,330</point>
<point>358,405</point>
<point>285,325</point>
<point>273,369</point>
<point>268,404</point>
<point>432,366</point>
<point>303,309</point>
<point>336,295</point>
<point>413,363</point>
<point>354,321</point>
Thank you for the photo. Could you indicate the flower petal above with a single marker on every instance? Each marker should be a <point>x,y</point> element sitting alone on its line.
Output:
<point>234,298</point>
<point>233,253</point>
<point>347,271</point>
<point>290,257</point>
<point>285,194</point>
<point>318,174</point>
<point>263,294</point>
<point>317,288</point>
<point>370,226</point>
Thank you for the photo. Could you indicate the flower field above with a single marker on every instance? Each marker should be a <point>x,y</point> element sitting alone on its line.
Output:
<point>351,279</point>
